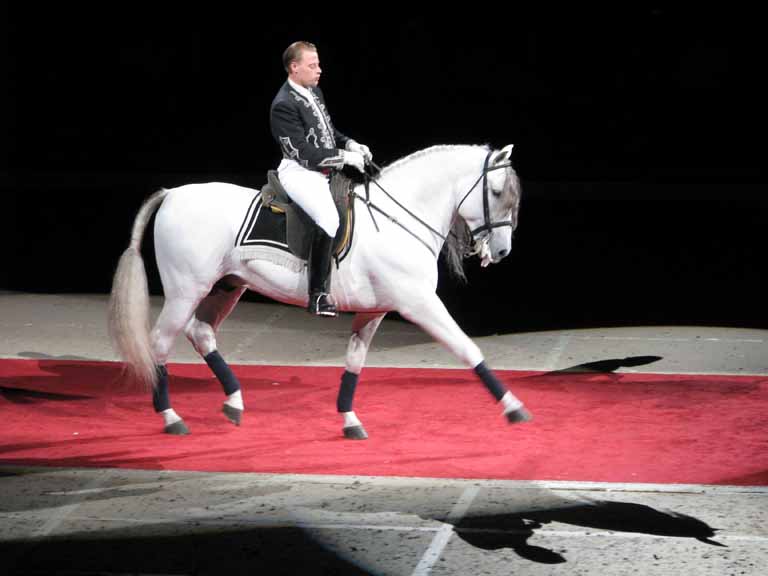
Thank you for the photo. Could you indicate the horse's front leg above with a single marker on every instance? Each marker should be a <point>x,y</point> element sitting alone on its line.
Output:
<point>364,327</point>
<point>428,311</point>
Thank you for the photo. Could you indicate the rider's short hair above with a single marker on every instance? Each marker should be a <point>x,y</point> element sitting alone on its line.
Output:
<point>293,53</point>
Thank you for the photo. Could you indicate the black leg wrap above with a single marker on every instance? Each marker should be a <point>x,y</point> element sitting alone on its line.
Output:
<point>160,399</point>
<point>346,391</point>
<point>493,384</point>
<point>221,369</point>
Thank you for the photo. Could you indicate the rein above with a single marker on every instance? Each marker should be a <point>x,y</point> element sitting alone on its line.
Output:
<point>487,225</point>
<point>371,206</point>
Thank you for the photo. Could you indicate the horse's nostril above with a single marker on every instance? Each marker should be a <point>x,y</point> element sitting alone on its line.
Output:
<point>502,253</point>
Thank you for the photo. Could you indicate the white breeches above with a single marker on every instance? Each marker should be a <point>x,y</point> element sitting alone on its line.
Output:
<point>310,190</point>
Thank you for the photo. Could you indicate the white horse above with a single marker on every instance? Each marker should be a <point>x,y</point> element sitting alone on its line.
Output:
<point>429,201</point>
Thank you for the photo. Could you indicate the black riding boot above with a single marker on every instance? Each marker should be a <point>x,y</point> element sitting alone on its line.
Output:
<point>320,260</point>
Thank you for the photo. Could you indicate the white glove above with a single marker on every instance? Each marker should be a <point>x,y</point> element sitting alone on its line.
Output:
<point>360,148</point>
<point>354,159</point>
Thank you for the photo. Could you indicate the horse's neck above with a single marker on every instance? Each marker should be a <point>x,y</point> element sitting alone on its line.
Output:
<point>428,184</point>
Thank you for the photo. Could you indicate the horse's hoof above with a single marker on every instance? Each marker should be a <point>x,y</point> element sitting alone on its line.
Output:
<point>519,415</point>
<point>178,428</point>
<point>355,433</point>
<point>233,414</point>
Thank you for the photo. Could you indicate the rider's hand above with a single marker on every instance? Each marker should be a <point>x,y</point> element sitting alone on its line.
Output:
<point>361,149</point>
<point>354,159</point>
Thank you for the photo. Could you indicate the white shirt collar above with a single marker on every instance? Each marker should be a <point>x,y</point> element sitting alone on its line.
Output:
<point>301,90</point>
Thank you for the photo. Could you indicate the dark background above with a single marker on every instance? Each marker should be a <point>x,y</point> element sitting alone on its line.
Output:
<point>639,137</point>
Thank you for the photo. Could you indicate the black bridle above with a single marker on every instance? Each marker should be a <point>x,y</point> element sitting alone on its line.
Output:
<point>486,226</point>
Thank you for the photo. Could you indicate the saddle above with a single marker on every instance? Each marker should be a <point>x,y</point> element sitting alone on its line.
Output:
<point>299,227</point>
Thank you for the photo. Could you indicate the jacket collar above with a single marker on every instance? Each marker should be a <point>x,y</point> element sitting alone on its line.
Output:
<point>305,93</point>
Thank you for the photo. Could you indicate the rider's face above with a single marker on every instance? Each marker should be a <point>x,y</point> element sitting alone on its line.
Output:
<point>306,71</point>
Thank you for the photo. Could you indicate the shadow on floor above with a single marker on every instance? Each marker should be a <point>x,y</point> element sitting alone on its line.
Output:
<point>607,366</point>
<point>175,550</point>
<point>512,531</point>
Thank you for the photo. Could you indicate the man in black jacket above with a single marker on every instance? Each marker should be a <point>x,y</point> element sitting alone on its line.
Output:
<point>312,148</point>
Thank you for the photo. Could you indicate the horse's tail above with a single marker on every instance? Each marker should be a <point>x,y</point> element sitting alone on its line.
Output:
<point>129,301</point>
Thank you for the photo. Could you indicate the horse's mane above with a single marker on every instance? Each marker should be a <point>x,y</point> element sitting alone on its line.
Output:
<point>455,249</point>
<point>427,152</point>
<point>457,243</point>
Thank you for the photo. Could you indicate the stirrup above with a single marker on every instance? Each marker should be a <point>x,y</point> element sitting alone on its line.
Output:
<point>321,304</point>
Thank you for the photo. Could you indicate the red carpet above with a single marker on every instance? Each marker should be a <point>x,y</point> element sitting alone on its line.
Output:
<point>421,422</point>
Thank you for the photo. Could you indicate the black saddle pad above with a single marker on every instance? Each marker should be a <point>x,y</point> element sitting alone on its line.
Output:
<point>262,227</point>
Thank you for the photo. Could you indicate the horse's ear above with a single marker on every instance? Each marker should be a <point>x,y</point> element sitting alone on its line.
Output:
<point>503,155</point>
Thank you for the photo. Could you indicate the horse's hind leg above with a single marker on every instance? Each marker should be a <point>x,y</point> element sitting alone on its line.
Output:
<point>430,313</point>
<point>201,331</point>
<point>363,328</point>
<point>174,315</point>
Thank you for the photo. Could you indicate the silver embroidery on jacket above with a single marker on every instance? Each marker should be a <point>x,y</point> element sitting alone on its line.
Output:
<point>325,123</point>
<point>291,151</point>
<point>333,162</point>
<point>322,118</point>
<point>312,137</point>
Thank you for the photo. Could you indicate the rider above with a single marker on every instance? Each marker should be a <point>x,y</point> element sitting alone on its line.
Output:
<point>302,126</point>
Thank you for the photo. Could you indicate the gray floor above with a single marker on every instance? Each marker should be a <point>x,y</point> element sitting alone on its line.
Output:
<point>160,522</point>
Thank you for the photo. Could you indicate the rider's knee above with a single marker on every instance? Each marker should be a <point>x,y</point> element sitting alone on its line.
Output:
<point>329,223</point>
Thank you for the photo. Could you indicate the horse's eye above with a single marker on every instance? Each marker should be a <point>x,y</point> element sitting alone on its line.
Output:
<point>496,193</point>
